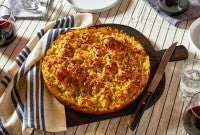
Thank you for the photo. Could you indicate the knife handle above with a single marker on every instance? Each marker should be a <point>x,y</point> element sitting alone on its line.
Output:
<point>138,112</point>
<point>180,53</point>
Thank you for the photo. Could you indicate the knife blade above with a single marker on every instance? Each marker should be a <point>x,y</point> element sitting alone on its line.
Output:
<point>141,107</point>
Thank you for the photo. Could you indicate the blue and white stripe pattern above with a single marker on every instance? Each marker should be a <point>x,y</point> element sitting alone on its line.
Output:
<point>41,33</point>
<point>27,94</point>
<point>22,56</point>
<point>66,22</point>
<point>5,81</point>
<point>34,105</point>
<point>3,130</point>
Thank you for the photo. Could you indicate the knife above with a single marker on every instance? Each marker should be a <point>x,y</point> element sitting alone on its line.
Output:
<point>141,107</point>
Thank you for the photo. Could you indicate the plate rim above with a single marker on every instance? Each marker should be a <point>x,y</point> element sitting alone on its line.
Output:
<point>192,27</point>
<point>81,9</point>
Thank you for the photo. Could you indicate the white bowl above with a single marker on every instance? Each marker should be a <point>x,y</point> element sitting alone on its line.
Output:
<point>194,33</point>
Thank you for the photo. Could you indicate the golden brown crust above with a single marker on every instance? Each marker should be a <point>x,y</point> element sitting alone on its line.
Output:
<point>96,70</point>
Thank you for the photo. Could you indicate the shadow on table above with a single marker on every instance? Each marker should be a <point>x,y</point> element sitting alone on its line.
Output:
<point>13,49</point>
<point>2,73</point>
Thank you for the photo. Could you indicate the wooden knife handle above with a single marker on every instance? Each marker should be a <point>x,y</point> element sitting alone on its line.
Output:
<point>138,112</point>
<point>180,53</point>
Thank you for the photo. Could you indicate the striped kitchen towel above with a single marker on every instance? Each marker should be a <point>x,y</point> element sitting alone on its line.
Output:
<point>25,104</point>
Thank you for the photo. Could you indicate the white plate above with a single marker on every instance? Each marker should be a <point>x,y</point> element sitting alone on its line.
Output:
<point>194,33</point>
<point>92,6</point>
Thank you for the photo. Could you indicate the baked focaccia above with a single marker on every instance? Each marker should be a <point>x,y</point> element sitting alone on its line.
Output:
<point>96,70</point>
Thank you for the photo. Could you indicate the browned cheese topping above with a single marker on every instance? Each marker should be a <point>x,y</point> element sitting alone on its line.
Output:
<point>96,70</point>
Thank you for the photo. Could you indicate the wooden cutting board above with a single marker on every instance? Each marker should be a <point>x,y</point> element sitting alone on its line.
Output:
<point>76,118</point>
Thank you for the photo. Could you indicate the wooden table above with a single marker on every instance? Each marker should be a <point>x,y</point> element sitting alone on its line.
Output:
<point>165,117</point>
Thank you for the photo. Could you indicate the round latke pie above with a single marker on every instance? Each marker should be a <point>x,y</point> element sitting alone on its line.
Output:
<point>96,70</point>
